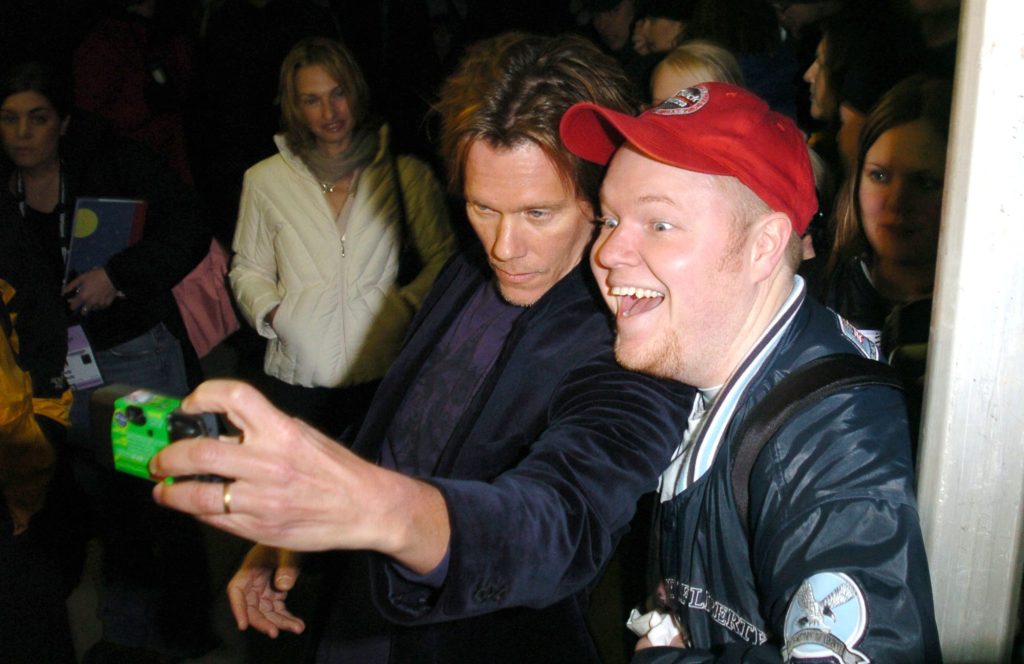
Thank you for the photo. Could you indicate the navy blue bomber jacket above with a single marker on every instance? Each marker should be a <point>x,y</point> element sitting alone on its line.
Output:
<point>834,569</point>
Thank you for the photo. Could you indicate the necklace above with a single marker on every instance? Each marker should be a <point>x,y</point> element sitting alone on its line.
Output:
<point>345,181</point>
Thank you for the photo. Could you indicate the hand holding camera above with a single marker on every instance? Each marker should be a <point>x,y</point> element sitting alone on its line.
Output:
<point>141,423</point>
<point>295,487</point>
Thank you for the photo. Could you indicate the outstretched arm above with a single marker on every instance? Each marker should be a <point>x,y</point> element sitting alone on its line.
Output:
<point>293,487</point>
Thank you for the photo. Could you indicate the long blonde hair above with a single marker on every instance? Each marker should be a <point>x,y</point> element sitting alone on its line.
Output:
<point>339,63</point>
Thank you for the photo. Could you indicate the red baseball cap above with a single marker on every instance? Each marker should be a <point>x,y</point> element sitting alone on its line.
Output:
<point>713,128</point>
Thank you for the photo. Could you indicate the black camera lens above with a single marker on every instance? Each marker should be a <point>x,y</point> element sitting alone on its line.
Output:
<point>135,415</point>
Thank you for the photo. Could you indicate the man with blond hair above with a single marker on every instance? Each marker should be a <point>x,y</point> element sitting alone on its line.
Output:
<point>783,537</point>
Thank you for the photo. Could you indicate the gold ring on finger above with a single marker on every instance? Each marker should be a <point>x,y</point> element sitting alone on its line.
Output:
<point>227,498</point>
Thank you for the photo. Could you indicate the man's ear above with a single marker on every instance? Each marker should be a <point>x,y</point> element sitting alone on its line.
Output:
<point>771,237</point>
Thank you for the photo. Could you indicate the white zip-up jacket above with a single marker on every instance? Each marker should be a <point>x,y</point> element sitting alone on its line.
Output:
<point>341,317</point>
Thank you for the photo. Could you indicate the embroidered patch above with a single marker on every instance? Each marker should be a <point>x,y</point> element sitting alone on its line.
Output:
<point>826,618</point>
<point>866,344</point>
<point>683,102</point>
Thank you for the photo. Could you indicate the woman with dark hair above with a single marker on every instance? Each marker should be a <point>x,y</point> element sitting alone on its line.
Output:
<point>882,268</point>
<point>156,591</point>
<point>124,306</point>
<point>319,241</point>
<point>864,50</point>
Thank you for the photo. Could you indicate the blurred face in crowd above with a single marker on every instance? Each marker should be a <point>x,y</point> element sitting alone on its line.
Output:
<point>795,16</point>
<point>901,193</point>
<point>669,263</point>
<point>325,108</point>
<point>823,100</point>
<point>656,34</point>
<point>31,130</point>
<point>532,225</point>
<point>613,25</point>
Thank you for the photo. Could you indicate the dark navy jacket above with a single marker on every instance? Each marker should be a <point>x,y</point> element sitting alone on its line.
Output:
<point>541,478</point>
<point>850,293</point>
<point>835,561</point>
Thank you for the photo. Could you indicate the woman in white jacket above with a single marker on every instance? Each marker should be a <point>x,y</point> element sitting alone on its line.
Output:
<point>319,241</point>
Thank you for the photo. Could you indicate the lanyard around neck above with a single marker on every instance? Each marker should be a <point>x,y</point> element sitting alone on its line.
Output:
<point>61,209</point>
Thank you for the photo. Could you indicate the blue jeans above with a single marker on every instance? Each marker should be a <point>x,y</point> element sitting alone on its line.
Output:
<point>156,589</point>
<point>152,360</point>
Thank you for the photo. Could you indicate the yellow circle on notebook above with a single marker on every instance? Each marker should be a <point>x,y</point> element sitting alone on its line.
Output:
<point>86,222</point>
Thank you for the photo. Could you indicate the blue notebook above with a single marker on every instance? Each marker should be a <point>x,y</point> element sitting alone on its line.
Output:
<point>100,228</point>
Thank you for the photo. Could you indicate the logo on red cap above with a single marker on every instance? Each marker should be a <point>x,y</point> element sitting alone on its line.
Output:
<point>684,102</point>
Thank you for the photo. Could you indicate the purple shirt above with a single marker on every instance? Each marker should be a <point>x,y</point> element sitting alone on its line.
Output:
<point>451,376</point>
<point>437,399</point>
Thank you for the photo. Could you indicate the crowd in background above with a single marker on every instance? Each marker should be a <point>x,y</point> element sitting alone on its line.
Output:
<point>178,104</point>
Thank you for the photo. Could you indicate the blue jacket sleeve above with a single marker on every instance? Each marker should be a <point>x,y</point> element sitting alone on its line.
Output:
<point>544,529</point>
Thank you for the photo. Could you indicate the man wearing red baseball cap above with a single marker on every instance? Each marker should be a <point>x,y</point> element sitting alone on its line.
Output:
<point>789,527</point>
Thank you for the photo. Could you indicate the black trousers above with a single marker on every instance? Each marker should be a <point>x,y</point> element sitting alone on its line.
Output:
<point>338,412</point>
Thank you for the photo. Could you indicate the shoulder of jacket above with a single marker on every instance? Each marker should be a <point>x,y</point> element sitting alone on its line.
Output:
<point>270,169</point>
<point>827,428</point>
<point>412,169</point>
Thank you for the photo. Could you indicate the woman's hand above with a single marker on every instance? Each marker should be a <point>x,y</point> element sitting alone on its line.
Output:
<point>91,291</point>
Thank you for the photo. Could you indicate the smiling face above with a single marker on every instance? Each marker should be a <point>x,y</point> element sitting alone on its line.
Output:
<point>31,130</point>
<point>900,193</point>
<point>532,226</point>
<point>672,270</point>
<point>325,108</point>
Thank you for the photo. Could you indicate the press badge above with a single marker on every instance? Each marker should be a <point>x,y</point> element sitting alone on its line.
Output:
<point>80,367</point>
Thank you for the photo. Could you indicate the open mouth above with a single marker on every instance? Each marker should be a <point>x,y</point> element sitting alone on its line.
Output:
<point>634,301</point>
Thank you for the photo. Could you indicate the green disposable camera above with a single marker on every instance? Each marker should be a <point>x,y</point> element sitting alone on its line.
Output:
<point>141,423</point>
